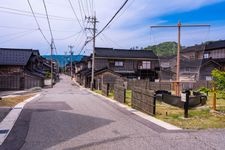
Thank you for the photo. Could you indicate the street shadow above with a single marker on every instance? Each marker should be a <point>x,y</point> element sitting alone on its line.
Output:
<point>38,128</point>
<point>4,112</point>
<point>110,140</point>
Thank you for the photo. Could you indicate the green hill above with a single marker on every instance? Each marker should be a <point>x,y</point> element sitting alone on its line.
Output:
<point>163,49</point>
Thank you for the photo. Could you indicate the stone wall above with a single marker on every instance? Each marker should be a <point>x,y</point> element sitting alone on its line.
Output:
<point>143,100</point>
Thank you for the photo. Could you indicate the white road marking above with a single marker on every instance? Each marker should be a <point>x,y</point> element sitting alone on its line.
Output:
<point>9,121</point>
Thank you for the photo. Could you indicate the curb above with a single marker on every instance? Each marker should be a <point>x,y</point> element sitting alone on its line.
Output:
<point>8,122</point>
<point>154,120</point>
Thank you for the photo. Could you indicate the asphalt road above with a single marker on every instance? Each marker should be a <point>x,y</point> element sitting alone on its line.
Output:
<point>67,117</point>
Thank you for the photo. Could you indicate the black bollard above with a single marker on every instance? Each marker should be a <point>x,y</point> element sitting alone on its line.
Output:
<point>185,98</point>
<point>186,104</point>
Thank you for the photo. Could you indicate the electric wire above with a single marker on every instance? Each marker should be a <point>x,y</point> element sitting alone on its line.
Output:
<point>109,39</point>
<point>49,25</point>
<point>112,18</point>
<point>81,14</point>
<point>74,12</point>
<point>39,28</point>
<point>68,37</point>
<point>30,13</point>
<point>17,37</point>
<point>12,34</point>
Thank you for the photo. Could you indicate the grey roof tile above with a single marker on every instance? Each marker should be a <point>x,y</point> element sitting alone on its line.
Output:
<point>14,56</point>
<point>124,53</point>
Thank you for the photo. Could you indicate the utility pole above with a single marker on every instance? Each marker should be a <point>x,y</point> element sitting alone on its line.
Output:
<point>179,26</point>
<point>71,60</point>
<point>51,45</point>
<point>92,20</point>
<point>65,61</point>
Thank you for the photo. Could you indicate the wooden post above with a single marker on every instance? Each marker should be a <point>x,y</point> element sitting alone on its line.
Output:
<point>214,98</point>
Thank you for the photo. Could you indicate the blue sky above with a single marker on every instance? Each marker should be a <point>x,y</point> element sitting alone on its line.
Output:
<point>130,28</point>
<point>206,14</point>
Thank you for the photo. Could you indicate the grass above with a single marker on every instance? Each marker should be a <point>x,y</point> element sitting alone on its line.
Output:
<point>199,118</point>
<point>128,97</point>
<point>220,103</point>
<point>98,91</point>
<point>12,101</point>
<point>111,94</point>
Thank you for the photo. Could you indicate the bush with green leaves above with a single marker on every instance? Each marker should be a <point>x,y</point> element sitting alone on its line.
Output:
<point>204,90</point>
<point>48,75</point>
<point>219,79</point>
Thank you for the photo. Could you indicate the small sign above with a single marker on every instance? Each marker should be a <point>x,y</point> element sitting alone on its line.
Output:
<point>183,97</point>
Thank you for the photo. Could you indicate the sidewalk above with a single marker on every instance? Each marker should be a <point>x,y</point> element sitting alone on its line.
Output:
<point>19,92</point>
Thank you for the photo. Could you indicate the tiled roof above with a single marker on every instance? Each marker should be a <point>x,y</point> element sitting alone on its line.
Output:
<point>190,63</point>
<point>194,48</point>
<point>208,46</point>
<point>123,53</point>
<point>215,45</point>
<point>10,56</point>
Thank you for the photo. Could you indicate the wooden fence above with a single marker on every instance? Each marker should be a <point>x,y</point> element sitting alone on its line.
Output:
<point>32,81</point>
<point>17,82</point>
<point>143,100</point>
<point>105,89</point>
<point>119,93</point>
<point>145,84</point>
<point>9,82</point>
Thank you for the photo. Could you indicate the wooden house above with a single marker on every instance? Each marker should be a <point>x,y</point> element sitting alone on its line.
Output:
<point>111,64</point>
<point>20,69</point>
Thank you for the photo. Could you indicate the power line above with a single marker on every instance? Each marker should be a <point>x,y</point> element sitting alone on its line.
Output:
<point>74,12</point>
<point>115,43</point>
<point>39,28</point>
<point>16,37</point>
<point>81,13</point>
<point>12,34</point>
<point>68,37</point>
<point>112,18</point>
<point>25,28</point>
<point>28,13</point>
<point>19,28</point>
<point>124,10</point>
<point>82,6</point>
<point>49,25</point>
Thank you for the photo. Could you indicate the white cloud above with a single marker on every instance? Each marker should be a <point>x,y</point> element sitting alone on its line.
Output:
<point>129,29</point>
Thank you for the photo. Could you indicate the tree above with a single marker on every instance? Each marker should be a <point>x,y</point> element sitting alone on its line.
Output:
<point>164,49</point>
<point>219,79</point>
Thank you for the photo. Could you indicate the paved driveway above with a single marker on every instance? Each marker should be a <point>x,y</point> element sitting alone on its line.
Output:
<point>68,117</point>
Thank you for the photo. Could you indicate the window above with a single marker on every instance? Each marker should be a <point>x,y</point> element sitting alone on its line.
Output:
<point>208,78</point>
<point>146,65</point>
<point>206,55</point>
<point>119,63</point>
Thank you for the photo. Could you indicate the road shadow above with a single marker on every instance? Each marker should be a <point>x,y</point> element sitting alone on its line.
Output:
<point>42,128</point>
<point>110,140</point>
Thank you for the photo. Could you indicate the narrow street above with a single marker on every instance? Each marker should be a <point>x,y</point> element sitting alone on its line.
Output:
<point>69,117</point>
